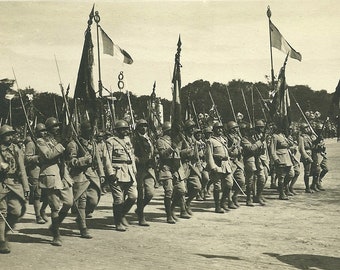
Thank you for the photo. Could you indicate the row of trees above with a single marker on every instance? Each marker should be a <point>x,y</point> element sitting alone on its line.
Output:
<point>43,105</point>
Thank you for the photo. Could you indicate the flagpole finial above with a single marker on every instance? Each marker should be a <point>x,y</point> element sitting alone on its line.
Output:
<point>269,13</point>
<point>96,17</point>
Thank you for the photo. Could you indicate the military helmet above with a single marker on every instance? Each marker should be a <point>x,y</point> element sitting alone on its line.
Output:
<point>244,125</point>
<point>166,126</point>
<point>121,124</point>
<point>259,123</point>
<point>85,125</point>
<point>304,125</point>
<point>319,126</point>
<point>51,122</point>
<point>189,123</point>
<point>141,122</point>
<point>197,130</point>
<point>207,130</point>
<point>6,129</point>
<point>218,125</point>
<point>231,125</point>
<point>40,127</point>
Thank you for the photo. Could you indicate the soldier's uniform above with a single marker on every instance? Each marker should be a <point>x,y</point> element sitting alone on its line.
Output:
<point>236,158</point>
<point>33,171</point>
<point>122,173</point>
<point>251,148</point>
<point>319,157</point>
<point>171,175</point>
<point>54,177</point>
<point>293,148</point>
<point>86,169</point>
<point>14,186</point>
<point>191,163</point>
<point>305,149</point>
<point>145,163</point>
<point>283,162</point>
<point>221,172</point>
<point>261,163</point>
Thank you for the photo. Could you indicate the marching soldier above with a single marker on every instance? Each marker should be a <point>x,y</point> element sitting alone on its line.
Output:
<point>145,163</point>
<point>122,172</point>
<point>261,162</point>
<point>251,147</point>
<point>206,181</point>
<point>305,149</point>
<point>86,170</point>
<point>14,188</point>
<point>282,159</point>
<point>293,148</point>
<point>33,171</point>
<point>190,161</point>
<point>236,158</point>
<point>201,164</point>
<point>221,173</point>
<point>54,178</point>
<point>171,175</point>
<point>319,157</point>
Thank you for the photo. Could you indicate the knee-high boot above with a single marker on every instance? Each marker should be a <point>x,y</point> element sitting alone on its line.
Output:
<point>292,183</point>
<point>306,179</point>
<point>36,205</point>
<point>54,228</point>
<point>117,216</point>
<point>218,208</point>
<point>168,211</point>
<point>282,195</point>
<point>126,208</point>
<point>140,212</point>
<point>260,187</point>
<point>249,195</point>
<point>4,248</point>
<point>314,183</point>
<point>182,204</point>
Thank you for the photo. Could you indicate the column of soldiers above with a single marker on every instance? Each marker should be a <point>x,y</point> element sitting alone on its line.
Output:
<point>235,158</point>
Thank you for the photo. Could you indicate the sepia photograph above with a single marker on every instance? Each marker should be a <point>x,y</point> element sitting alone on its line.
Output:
<point>197,134</point>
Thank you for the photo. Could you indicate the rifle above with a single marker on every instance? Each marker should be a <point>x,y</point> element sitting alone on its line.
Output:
<point>231,104</point>
<point>245,104</point>
<point>25,112</point>
<point>194,109</point>
<point>215,108</point>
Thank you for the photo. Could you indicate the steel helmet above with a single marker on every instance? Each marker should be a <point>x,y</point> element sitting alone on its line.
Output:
<point>217,125</point>
<point>244,125</point>
<point>189,123</point>
<point>51,122</point>
<point>166,126</point>
<point>259,123</point>
<point>121,124</point>
<point>231,125</point>
<point>40,127</point>
<point>304,125</point>
<point>319,126</point>
<point>141,122</point>
<point>6,129</point>
<point>207,130</point>
<point>197,130</point>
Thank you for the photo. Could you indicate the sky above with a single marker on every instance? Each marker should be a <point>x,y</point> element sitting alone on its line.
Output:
<point>221,41</point>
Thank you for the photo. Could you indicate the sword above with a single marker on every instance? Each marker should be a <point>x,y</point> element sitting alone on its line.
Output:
<point>9,226</point>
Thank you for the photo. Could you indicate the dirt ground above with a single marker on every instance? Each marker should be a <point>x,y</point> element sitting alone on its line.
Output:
<point>302,233</point>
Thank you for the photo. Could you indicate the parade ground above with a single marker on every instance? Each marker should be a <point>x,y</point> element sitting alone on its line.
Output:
<point>302,233</point>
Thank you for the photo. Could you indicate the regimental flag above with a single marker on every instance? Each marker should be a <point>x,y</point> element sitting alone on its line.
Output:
<point>176,114</point>
<point>279,42</point>
<point>84,87</point>
<point>114,50</point>
<point>280,106</point>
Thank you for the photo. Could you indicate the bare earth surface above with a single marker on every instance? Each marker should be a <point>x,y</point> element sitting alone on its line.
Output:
<point>302,233</point>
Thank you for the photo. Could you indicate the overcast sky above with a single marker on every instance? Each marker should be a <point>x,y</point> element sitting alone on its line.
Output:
<point>221,41</point>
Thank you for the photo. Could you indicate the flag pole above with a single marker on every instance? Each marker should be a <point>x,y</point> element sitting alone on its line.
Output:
<point>100,88</point>
<point>269,14</point>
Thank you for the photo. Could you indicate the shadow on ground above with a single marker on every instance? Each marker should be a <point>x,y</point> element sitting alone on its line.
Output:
<point>308,261</point>
<point>211,256</point>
